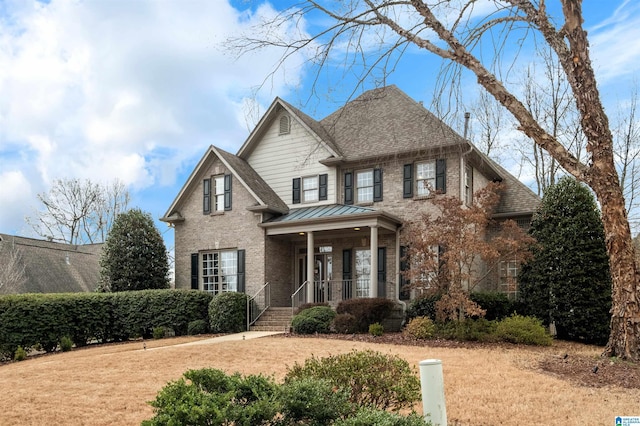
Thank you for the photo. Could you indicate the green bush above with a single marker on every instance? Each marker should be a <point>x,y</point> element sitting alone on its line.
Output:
<point>210,397</point>
<point>366,311</point>
<point>423,306</point>
<point>373,379</point>
<point>158,332</point>
<point>420,328</point>
<point>344,324</point>
<point>309,305</point>
<point>367,417</point>
<point>316,319</point>
<point>313,401</point>
<point>521,329</point>
<point>66,344</point>
<point>196,327</point>
<point>20,354</point>
<point>497,304</point>
<point>376,329</point>
<point>228,313</point>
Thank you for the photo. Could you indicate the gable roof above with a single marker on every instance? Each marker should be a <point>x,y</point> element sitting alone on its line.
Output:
<point>266,198</point>
<point>315,129</point>
<point>51,267</point>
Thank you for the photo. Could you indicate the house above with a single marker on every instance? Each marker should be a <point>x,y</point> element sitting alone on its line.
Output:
<point>36,266</point>
<point>316,208</point>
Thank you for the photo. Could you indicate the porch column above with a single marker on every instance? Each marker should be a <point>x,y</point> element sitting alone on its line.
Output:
<point>373,282</point>
<point>310,266</point>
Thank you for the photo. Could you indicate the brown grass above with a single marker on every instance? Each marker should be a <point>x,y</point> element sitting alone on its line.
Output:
<point>110,385</point>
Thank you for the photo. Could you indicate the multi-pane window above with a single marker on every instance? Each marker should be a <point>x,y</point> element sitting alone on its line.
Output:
<point>220,271</point>
<point>468,185</point>
<point>309,189</point>
<point>218,194</point>
<point>362,272</point>
<point>425,178</point>
<point>364,186</point>
<point>508,277</point>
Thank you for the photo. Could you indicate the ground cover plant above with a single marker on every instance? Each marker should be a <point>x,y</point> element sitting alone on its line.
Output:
<point>485,384</point>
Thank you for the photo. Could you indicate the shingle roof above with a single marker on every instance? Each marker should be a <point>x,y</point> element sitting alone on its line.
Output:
<point>54,267</point>
<point>386,120</point>
<point>517,198</point>
<point>254,181</point>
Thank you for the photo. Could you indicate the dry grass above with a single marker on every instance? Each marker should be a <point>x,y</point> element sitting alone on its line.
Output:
<point>110,385</point>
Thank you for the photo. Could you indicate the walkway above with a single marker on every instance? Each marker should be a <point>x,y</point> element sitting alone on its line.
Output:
<point>245,335</point>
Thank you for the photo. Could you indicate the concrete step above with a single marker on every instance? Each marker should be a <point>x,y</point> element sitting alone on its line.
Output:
<point>274,319</point>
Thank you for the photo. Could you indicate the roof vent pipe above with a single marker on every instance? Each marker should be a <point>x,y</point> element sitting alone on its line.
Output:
<point>467,115</point>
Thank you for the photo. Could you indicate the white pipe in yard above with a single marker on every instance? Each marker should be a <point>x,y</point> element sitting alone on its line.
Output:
<point>432,384</point>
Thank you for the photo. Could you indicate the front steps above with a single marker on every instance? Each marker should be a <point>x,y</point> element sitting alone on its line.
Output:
<point>274,319</point>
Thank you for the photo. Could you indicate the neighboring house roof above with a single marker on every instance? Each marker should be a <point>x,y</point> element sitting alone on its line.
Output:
<point>51,267</point>
<point>266,198</point>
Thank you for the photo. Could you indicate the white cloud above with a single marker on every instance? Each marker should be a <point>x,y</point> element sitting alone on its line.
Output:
<point>128,90</point>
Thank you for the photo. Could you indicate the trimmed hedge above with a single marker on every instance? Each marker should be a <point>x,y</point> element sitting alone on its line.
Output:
<point>316,319</point>
<point>42,320</point>
<point>228,313</point>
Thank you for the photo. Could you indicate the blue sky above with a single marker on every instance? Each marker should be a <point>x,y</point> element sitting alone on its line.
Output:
<point>137,90</point>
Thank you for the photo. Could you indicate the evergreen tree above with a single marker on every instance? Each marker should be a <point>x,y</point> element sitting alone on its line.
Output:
<point>568,281</point>
<point>134,256</point>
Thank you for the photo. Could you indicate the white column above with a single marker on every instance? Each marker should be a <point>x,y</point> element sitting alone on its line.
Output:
<point>310,266</point>
<point>373,282</point>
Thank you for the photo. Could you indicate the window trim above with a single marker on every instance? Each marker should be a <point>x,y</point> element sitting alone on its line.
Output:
<point>432,189</point>
<point>217,198</point>
<point>314,190</point>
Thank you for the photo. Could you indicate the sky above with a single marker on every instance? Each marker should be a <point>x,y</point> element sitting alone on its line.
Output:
<point>138,90</point>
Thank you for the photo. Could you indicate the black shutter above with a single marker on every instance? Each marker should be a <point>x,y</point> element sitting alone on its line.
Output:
<point>346,264</point>
<point>382,272</point>
<point>377,184</point>
<point>206,196</point>
<point>441,175</point>
<point>348,188</point>
<point>227,192</point>
<point>407,181</point>
<point>296,191</point>
<point>322,186</point>
<point>405,292</point>
<point>241,285</point>
<point>195,267</point>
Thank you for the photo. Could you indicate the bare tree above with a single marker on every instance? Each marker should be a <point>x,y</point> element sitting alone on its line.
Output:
<point>489,115</point>
<point>79,211</point>
<point>373,35</point>
<point>12,269</point>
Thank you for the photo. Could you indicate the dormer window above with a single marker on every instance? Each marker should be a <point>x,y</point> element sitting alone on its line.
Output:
<point>285,125</point>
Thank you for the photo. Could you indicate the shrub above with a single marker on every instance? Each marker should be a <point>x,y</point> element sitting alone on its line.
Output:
<point>420,328</point>
<point>228,313</point>
<point>309,305</point>
<point>313,401</point>
<point>376,329</point>
<point>66,344</point>
<point>158,332</point>
<point>424,306</point>
<point>478,330</point>
<point>366,417</point>
<point>373,379</point>
<point>496,304</point>
<point>209,396</point>
<point>197,327</point>
<point>521,329</point>
<point>366,311</point>
<point>344,324</point>
<point>316,319</point>
<point>20,354</point>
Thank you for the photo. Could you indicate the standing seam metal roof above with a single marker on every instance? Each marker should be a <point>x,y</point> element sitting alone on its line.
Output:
<point>315,212</point>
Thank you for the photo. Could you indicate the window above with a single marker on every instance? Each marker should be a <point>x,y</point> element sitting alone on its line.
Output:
<point>220,271</point>
<point>425,178</point>
<point>364,186</point>
<point>285,125</point>
<point>363,272</point>
<point>309,189</point>
<point>468,185</point>
<point>508,275</point>
<point>218,193</point>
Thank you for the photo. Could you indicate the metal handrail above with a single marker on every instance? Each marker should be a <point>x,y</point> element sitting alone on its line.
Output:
<point>265,290</point>
<point>295,295</point>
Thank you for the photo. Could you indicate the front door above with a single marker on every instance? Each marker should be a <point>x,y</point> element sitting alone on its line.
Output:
<point>322,275</point>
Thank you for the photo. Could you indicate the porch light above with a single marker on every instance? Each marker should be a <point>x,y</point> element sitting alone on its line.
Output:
<point>356,229</point>
<point>300,233</point>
